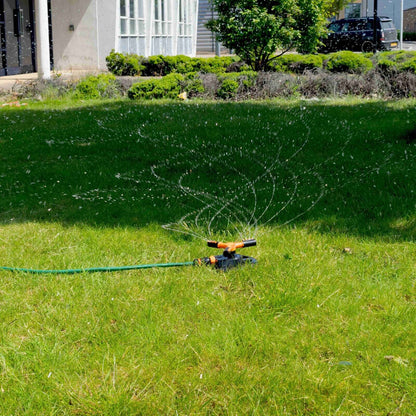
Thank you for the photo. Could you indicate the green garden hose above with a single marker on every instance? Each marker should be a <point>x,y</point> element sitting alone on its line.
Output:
<point>97,269</point>
<point>226,261</point>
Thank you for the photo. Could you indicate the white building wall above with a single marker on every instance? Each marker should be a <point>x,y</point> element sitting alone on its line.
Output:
<point>83,33</point>
<point>107,29</point>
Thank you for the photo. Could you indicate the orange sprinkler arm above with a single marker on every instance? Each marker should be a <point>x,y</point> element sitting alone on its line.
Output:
<point>232,246</point>
<point>229,258</point>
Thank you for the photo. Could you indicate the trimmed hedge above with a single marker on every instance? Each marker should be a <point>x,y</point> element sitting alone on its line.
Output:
<point>343,61</point>
<point>313,84</point>
<point>397,61</point>
<point>97,86</point>
<point>409,65</point>
<point>160,65</point>
<point>347,61</point>
<point>297,63</point>
<point>227,86</point>
<point>124,64</point>
<point>166,87</point>
<point>409,36</point>
<point>169,86</point>
<point>235,82</point>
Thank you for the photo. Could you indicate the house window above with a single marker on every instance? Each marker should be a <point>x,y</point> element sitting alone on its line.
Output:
<point>353,10</point>
<point>132,18</point>
<point>185,25</point>
<point>162,18</point>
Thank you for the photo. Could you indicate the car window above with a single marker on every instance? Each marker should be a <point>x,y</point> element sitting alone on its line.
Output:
<point>387,24</point>
<point>369,25</point>
<point>361,25</point>
<point>354,26</point>
<point>335,27</point>
<point>345,27</point>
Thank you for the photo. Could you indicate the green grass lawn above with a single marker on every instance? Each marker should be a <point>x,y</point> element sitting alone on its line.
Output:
<point>322,325</point>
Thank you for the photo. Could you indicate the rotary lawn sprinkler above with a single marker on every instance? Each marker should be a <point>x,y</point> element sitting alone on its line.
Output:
<point>229,258</point>
<point>225,261</point>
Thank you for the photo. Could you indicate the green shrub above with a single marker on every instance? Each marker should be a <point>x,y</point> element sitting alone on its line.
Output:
<point>394,60</point>
<point>347,61</point>
<point>234,82</point>
<point>308,62</point>
<point>99,86</point>
<point>154,66</point>
<point>160,65</point>
<point>297,63</point>
<point>386,65</point>
<point>184,64</point>
<point>167,87</point>
<point>228,89</point>
<point>409,65</point>
<point>192,84</point>
<point>215,65</point>
<point>282,63</point>
<point>396,56</point>
<point>121,64</point>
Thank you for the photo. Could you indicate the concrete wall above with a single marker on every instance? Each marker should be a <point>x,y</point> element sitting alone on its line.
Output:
<point>409,20</point>
<point>107,29</point>
<point>93,35</point>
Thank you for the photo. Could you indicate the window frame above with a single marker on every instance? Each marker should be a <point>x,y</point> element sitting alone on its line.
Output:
<point>131,23</point>
<point>162,18</point>
<point>184,18</point>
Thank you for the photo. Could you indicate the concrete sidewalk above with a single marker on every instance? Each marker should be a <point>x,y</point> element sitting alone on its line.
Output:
<point>11,83</point>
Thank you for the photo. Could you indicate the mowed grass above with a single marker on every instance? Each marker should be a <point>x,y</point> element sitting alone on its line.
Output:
<point>322,325</point>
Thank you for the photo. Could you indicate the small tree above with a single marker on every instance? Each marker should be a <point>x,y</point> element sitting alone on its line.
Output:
<point>256,29</point>
<point>334,6</point>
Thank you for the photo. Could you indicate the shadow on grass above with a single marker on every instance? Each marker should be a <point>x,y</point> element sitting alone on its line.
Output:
<point>332,166</point>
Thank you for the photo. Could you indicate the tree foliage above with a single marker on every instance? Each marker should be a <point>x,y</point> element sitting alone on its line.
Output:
<point>334,6</point>
<point>256,29</point>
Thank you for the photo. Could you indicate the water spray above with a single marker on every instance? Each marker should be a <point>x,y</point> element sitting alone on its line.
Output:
<point>229,259</point>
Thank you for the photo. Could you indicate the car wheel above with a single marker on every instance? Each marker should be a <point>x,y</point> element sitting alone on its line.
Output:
<point>367,46</point>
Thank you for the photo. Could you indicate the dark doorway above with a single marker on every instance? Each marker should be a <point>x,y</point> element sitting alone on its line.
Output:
<point>3,58</point>
<point>17,36</point>
<point>18,40</point>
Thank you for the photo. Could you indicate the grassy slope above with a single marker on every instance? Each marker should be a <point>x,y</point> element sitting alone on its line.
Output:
<point>304,332</point>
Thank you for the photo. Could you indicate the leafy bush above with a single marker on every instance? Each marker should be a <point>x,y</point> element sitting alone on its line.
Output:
<point>235,82</point>
<point>160,65</point>
<point>297,63</point>
<point>409,65</point>
<point>215,65</point>
<point>347,61</point>
<point>395,56</point>
<point>97,86</point>
<point>166,87</point>
<point>228,89</point>
<point>394,60</point>
<point>121,64</point>
<point>192,84</point>
<point>184,64</point>
<point>386,65</point>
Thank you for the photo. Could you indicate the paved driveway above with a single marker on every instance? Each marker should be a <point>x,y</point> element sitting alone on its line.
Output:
<point>409,46</point>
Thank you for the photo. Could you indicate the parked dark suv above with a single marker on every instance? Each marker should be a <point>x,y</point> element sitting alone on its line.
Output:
<point>357,35</point>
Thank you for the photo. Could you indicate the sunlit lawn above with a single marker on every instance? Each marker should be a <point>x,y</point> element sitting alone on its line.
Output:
<point>323,324</point>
